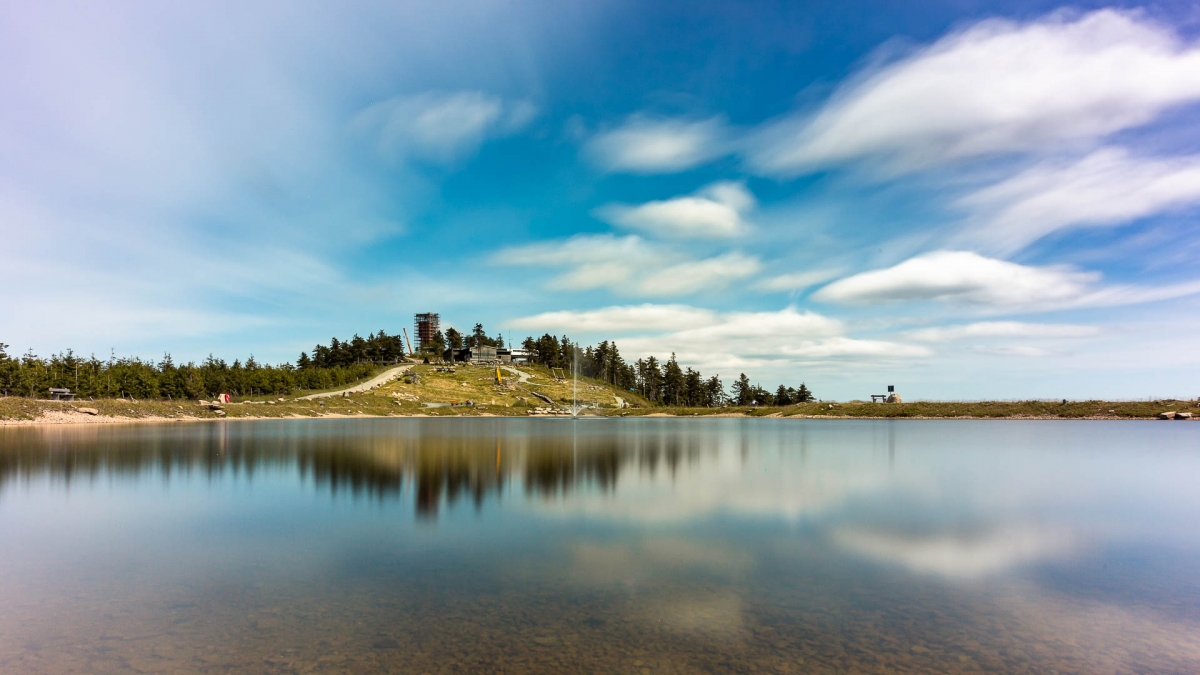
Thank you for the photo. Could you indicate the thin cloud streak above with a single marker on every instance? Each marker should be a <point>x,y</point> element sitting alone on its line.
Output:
<point>1107,188</point>
<point>726,342</point>
<point>967,278</point>
<point>440,126</point>
<point>960,276</point>
<point>629,265</point>
<point>1002,329</point>
<point>996,87</point>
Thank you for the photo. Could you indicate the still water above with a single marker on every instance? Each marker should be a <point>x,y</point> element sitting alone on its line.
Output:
<point>601,546</point>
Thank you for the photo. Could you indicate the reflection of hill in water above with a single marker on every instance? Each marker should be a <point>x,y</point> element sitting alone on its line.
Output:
<point>440,461</point>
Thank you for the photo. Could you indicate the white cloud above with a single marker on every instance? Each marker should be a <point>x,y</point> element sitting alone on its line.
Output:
<point>595,261</point>
<point>1128,294</point>
<point>1014,350</point>
<point>969,278</point>
<point>844,347</point>
<point>695,275</point>
<point>651,145</point>
<point>441,127</point>
<point>961,276</point>
<point>724,342</point>
<point>631,318</point>
<point>1003,329</point>
<point>758,340</point>
<point>996,87</point>
<point>796,281</point>
<point>1108,187</point>
<point>715,212</point>
<point>630,265</point>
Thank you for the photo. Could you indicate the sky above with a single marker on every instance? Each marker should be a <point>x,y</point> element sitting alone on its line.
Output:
<point>965,200</point>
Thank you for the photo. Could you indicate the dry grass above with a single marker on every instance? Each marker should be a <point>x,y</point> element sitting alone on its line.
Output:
<point>957,409</point>
<point>473,383</point>
<point>477,384</point>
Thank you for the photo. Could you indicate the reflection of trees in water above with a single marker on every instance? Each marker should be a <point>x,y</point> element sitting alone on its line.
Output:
<point>440,462</point>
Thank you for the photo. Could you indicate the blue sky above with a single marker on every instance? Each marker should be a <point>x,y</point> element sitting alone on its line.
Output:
<point>967,200</point>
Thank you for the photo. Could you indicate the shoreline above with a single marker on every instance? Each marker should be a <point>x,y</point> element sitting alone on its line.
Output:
<point>398,400</point>
<point>59,419</point>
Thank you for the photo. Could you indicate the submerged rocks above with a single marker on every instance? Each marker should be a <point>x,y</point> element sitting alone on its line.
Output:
<point>549,411</point>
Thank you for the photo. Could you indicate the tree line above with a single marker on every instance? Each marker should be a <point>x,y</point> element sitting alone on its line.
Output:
<point>377,349</point>
<point>344,362</point>
<point>90,377</point>
<point>663,383</point>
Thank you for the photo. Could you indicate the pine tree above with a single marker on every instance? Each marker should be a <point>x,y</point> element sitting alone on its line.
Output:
<point>673,382</point>
<point>714,392</point>
<point>742,391</point>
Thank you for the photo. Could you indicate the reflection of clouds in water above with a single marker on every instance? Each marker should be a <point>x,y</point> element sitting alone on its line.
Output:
<point>767,483</point>
<point>665,575</point>
<point>1102,637</point>
<point>636,562</point>
<point>962,555</point>
<point>713,614</point>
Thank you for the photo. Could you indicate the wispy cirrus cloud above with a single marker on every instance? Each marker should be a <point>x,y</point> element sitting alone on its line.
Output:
<point>969,278</point>
<point>647,145</point>
<point>717,211</point>
<point>1003,329</point>
<point>726,341</point>
<point>440,126</point>
<point>996,87</point>
<point>961,276</point>
<point>620,319</point>
<point>630,265</point>
<point>690,276</point>
<point>1106,188</point>
<point>796,281</point>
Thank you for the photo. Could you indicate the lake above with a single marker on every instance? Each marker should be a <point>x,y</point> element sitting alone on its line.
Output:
<point>601,546</point>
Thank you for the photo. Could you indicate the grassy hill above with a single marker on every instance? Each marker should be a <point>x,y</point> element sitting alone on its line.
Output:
<point>439,394</point>
<point>433,393</point>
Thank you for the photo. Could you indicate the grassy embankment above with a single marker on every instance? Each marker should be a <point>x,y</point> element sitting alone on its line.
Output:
<point>477,384</point>
<point>399,397</point>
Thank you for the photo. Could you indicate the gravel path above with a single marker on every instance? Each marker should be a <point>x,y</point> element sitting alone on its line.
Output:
<point>382,378</point>
<point>521,377</point>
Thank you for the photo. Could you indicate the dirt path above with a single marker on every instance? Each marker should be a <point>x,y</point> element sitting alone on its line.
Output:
<point>382,378</point>
<point>522,377</point>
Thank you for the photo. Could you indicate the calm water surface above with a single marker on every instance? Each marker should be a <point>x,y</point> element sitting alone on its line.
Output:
<point>601,546</point>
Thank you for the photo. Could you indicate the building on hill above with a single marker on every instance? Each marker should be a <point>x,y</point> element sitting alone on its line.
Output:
<point>481,354</point>
<point>514,356</point>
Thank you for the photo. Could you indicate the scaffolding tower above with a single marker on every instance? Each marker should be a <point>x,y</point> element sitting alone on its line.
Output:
<point>425,326</point>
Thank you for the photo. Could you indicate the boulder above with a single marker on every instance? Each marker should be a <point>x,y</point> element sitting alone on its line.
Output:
<point>1183,416</point>
<point>219,413</point>
<point>893,398</point>
<point>1166,415</point>
<point>88,411</point>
